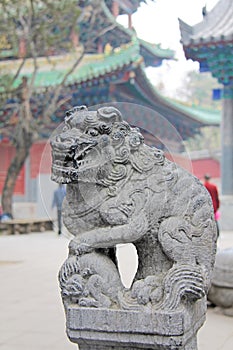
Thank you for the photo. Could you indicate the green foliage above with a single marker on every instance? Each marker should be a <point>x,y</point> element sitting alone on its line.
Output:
<point>5,81</point>
<point>208,139</point>
<point>43,24</point>
<point>33,30</point>
<point>197,90</point>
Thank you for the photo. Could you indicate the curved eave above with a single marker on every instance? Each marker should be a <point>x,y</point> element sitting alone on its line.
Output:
<point>206,116</point>
<point>186,122</point>
<point>118,34</point>
<point>153,54</point>
<point>106,23</point>
<point>210,42</point>
<point>108,64</point>
<point>94,67</point>
<point>179,111</point>
<point>163,116</point>
<point>217,26</point>
<point>156,50</point>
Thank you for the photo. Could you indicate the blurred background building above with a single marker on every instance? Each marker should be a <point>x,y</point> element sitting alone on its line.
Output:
<point>111,71</point>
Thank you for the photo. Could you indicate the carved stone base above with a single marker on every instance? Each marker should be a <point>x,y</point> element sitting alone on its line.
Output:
<point>226,222</point>
<point>190,345</point>
<point>105,329</point>
<point>221,291</point>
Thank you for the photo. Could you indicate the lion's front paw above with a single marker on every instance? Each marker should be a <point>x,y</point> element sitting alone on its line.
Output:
<point>83,248</point>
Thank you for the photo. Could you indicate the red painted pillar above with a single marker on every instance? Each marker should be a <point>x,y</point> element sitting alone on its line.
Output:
<point>74,38</point>
<point>130,24</point>
<point>22,48</point>
<point>100,48</point>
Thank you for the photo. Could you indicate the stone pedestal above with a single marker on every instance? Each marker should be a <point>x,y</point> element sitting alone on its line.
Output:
<point>227,147</point>
<point>226,223</point>
<point>105,329</point>
<point>226,210</point>
<point>221,291</point>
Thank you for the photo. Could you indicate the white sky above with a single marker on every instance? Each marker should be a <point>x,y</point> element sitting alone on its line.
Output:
<point>157,22</point>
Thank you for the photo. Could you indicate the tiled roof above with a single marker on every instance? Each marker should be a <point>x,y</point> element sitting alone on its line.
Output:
<point>117,34</point>
<point>92,66</point>
<point>217,26</point>
<point>206,116</point>
<point>193,117</point>
<point>97,68</point>
<point>156,50</point>
<point>200,116</point>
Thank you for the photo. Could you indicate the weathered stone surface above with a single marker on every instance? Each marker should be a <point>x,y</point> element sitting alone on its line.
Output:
<point>94,328</point>
<point>221,291</point>
<point>226,222</point>
<point>119,190</point>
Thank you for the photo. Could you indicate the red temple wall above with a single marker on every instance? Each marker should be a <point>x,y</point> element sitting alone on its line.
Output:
<point>40,159</point>
<point>6,154</point>
<point>206,166</point>
<point>40,162</point>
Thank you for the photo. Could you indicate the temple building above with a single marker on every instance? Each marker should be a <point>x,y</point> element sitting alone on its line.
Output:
<point>111,72</point>
<point>210,42</point>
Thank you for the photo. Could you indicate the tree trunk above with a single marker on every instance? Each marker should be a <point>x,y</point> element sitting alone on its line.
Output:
<point>17,162</point>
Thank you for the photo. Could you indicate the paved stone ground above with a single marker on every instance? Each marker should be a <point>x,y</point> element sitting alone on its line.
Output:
<point>31,312</point>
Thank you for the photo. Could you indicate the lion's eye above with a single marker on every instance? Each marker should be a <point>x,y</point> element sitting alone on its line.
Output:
<point>66,127</point>
<point>92,132</point>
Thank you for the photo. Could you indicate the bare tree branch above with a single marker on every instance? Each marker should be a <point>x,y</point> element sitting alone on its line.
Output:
<point>20,68</point>
<point>39,24</point>
<point>53,103</point>
<point>104,31</point>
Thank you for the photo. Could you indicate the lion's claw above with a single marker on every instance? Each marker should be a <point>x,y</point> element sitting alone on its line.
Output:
<point>83,248</point>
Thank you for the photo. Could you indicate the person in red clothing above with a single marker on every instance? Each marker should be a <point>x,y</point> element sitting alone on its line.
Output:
<point>213,191</point>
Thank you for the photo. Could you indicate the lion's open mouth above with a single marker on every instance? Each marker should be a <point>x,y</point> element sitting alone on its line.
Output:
<point>68,162</point>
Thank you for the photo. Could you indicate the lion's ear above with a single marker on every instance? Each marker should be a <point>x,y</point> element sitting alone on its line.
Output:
<point>109,114</point>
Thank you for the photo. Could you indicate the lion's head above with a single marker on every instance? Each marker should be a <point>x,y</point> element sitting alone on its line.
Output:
<point>96,146</point>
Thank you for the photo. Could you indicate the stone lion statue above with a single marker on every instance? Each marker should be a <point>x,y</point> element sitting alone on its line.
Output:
<point>119,190</point>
